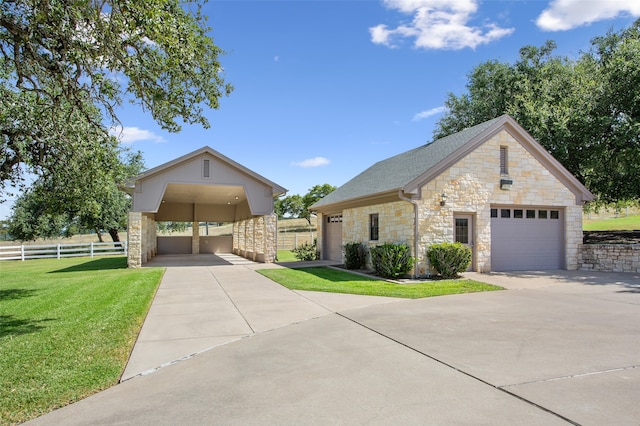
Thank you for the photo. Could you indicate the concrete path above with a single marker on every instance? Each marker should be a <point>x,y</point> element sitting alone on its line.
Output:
<point>559,348</point>
<point>207,300</point>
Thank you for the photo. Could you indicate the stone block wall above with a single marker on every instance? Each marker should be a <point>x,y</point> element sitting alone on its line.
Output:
<point>610,257</point>
<point>141,239</point>
<point>255,239</point>
<point>396,224</point>
<point>134,240</point>
<point>472,186</point>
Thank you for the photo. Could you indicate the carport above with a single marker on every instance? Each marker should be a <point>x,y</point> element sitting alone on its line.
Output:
<point>202,186</point>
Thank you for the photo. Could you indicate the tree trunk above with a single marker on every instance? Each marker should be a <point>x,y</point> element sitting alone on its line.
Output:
<point>114,235</point>
<point>99,235</point>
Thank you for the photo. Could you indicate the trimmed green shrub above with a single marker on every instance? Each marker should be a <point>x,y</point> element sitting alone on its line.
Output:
<point>449,259</point>
<point>392,260</point>
<point>306,251</point>
<point>355,255</point>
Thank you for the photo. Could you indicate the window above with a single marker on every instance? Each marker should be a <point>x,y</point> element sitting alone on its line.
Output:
<point>505,213</point>
<point>517,214</point>
<point>373,227</point>
<point>205,169</point>
<point>555,214</point>
<point>542,214</point>
<point>462,230</point>
<point>334,219</point>
<point>531,214</point>
<point>494,212</point>
<point>504,159</point>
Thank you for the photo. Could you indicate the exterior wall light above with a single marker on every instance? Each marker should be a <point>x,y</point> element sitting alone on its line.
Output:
<point>506,184</point>
<point>443,199</point>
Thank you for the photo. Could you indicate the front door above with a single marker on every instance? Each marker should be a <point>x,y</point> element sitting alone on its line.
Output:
<point>463,233</point>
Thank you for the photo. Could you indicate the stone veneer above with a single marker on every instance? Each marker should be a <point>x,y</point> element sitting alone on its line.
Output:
<point>255,238</point>
<point>610,257</point>
<point>395,224</point>
<point>142,243</point>
<point>472,186</point>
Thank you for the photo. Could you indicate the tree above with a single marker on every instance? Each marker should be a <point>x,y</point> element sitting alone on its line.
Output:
<point>29,219</point>
<point>72,63</point>
<point>311,197</point>
<point>585,112</point>
<point>289,206</point>
<point>59,205</point>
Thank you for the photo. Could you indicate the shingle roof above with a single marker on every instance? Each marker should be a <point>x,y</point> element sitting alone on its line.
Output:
<point>397,172</point>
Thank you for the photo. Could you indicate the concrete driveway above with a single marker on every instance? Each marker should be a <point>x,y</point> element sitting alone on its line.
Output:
<point>557,348</point>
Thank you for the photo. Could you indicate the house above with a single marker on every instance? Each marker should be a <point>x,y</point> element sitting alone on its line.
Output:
<point>202,186</point>
<point>491,187</point>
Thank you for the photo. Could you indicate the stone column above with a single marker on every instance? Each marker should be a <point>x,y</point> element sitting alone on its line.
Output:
<point>270,238</point>
<point>134,240</point>
<point>195,238</point>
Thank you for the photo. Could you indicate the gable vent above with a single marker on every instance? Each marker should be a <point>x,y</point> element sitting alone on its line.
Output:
<point>205,169</point>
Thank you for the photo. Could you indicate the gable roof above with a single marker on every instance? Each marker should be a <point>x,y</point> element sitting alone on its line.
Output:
<point>408,171</point>
<point>277,189</point>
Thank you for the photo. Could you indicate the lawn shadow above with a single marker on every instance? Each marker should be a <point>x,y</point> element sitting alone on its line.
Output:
<point>12,326</point>
<point>97,265</point>
<point>15,293</point>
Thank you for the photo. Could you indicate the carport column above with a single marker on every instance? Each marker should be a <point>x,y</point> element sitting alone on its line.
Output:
<point>251,234</point>
<point>195,238</point>
<point>134,240</point>
<point>144,247</point>
<point>270,248</point>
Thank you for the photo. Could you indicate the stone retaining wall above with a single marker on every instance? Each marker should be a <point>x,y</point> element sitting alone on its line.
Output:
<point>610,257</point>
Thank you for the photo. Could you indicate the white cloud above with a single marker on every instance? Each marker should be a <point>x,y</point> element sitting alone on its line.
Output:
<point>567,14</point>
<point>438,24</point>
<point>428,113</point>
<point>311,162</point>
<point>135,134</point>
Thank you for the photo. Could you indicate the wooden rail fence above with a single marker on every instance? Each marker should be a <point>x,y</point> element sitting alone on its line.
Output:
<point>59,251</point>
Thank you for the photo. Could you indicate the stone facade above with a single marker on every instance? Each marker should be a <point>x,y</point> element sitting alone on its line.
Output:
<point>395,224</point>
<point>472,186</point>
<point>255,238</point>
<point>610,257</point>
<point>141,239</point>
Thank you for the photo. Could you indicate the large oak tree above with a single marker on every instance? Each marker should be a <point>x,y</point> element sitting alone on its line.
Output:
<point>584,111</point>
<point>67,65</point>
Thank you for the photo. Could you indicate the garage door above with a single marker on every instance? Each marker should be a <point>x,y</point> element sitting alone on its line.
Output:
<point>332,242</point>
<point>526,238</point>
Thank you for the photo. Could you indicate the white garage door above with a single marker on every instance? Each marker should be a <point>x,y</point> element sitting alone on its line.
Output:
<point>527,238</point>
<point>332,242</point>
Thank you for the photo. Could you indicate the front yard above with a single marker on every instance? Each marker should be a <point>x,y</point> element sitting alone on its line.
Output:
<point>66,329</point>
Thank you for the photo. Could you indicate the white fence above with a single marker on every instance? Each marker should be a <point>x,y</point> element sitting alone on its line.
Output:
<point>59,251</point>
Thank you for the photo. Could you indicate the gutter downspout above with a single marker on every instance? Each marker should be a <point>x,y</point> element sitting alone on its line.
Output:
<point>415,229</point>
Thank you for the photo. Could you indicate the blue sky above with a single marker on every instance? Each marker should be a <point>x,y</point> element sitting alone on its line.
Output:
<point>324,89</point>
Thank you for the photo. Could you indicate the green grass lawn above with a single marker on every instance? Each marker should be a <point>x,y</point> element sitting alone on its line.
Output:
<point>337,281</point>
<point>66,329</point>
<point>628,223</point>
<point>286,256</point>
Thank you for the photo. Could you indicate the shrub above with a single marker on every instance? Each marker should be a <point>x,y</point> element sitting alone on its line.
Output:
<point>449,259</point>
<point>392,260</point>
<point>355,255</point>
<point>306,251</point>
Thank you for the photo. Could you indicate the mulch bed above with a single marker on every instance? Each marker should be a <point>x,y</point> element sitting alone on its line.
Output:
<point>611,237</point>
